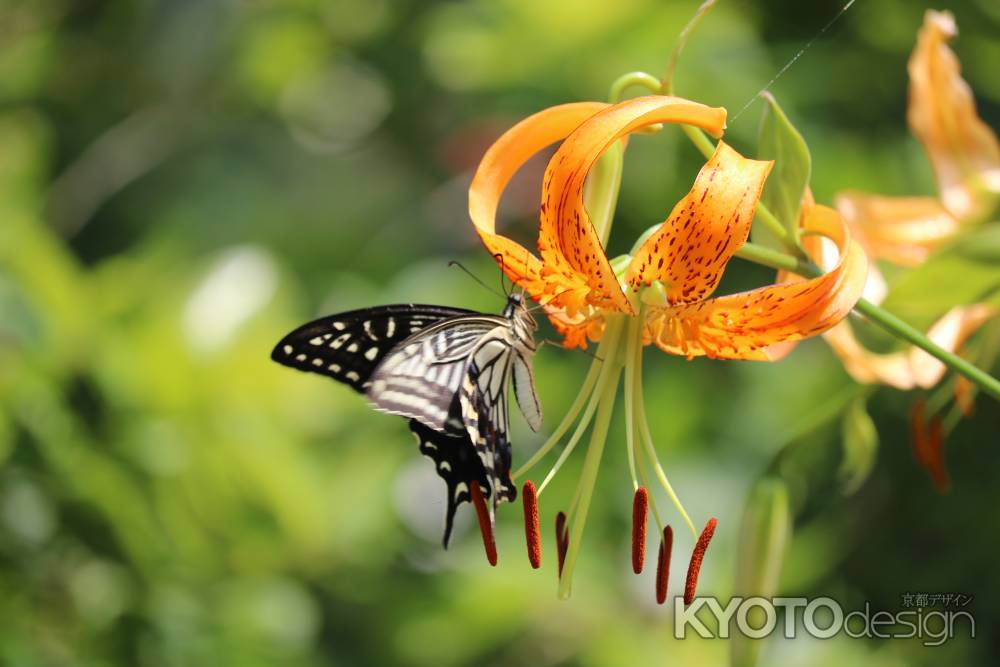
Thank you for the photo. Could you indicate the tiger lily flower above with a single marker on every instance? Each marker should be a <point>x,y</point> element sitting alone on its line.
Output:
<point>660,294</point>
<point>905,231</point>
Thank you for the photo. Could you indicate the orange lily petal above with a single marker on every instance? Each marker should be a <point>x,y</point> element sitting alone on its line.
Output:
<point>568,242</point>
<point>742,326</point>
<point>902,230</point>
<point>502,160</point>
<point>912,367</point>
<point>942,115</point>
<point>965,395</point>
<point>813,245</point>
<point>692,247</point>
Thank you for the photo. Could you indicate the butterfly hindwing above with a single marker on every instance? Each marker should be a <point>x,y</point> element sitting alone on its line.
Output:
<point>421,378</point>
<point>348,346</point>
<point>485,412</point>
<point>456,463</point>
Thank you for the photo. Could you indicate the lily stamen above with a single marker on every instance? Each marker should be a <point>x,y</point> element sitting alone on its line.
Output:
<point>663,564</point>
<point>485,523</point>
<point>562,539</point>
<point>531,532</point>
<point>697,556</point>
<point>640,511</point>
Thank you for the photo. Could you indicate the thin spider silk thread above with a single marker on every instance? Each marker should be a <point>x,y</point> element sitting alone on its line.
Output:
<point>791,62</point>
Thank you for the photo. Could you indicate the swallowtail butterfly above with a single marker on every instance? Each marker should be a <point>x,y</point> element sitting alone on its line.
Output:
<point>446,370</point>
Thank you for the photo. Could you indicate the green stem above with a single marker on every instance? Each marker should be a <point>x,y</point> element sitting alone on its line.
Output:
<point>626,81</point>
<point>668,77</point>
<point>901,329</point>
<point>777,260</point>
<point>882,318</point>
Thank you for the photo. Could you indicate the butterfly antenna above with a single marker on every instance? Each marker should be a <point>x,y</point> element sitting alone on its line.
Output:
<point>503,286</point>
<point>554,297</point>
<point>555,343</point>
<point>473,276</point>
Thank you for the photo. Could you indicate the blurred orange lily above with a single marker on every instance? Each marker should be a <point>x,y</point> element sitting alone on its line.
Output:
<point>905,230</point>
<point>660,294</point>
<point>685,256</point>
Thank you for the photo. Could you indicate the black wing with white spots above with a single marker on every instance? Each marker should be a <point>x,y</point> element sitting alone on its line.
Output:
<point>348,346</point>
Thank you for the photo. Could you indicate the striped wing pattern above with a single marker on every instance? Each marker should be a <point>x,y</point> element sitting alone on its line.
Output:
<point>347,347</point>
<point>421,378</point>
<point>485,411</point>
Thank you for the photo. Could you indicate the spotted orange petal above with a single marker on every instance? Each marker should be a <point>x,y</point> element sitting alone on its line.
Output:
<point>692,247</point>
<point>813,245</point>
<point>742,326</point>
<point>501,161</point>
<point>942,114</point>
<point>568,242</point>
<point>901,230</point>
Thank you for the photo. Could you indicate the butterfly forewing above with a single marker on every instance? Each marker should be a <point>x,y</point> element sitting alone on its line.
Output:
<point>348,346</point>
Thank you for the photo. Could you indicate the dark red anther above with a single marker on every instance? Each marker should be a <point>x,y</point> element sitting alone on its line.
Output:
<point>640,508</point>
<point>935,450</point>
<point>928,445</point>
<point>531,533</point>
<point>697,556</point>
<point>562,539</point>
<point>663,564</point>
<point>485,525</point>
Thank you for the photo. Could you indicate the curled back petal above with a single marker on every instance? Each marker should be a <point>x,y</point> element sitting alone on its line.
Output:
<point>901,230</point>
<point>495,170</point>
<point>911,367</point>
<point>568,242</point>
<point>742,326</point>
<point>942,114</point>
<point>692,247</point>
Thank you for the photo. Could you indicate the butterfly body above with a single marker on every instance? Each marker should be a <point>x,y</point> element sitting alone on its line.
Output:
<point>446,370</point>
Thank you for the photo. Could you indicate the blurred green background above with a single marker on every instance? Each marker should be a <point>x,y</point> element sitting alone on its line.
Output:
<point>184,181</point>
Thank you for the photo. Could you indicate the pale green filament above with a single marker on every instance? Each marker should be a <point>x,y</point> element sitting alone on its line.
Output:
<point>648,440</point>
<point>609,344</point>
<point>574,439</point>
<point>588,475</point>
<point>571,415</point>
<point>645,482</point>
<point>633,333</point>
<point>633,358</point>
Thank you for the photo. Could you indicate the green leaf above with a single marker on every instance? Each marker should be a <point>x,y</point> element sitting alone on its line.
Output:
<point>765,532</point>
<point>780,141</point>
<point>965,272</point>
<point>860,442</point>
